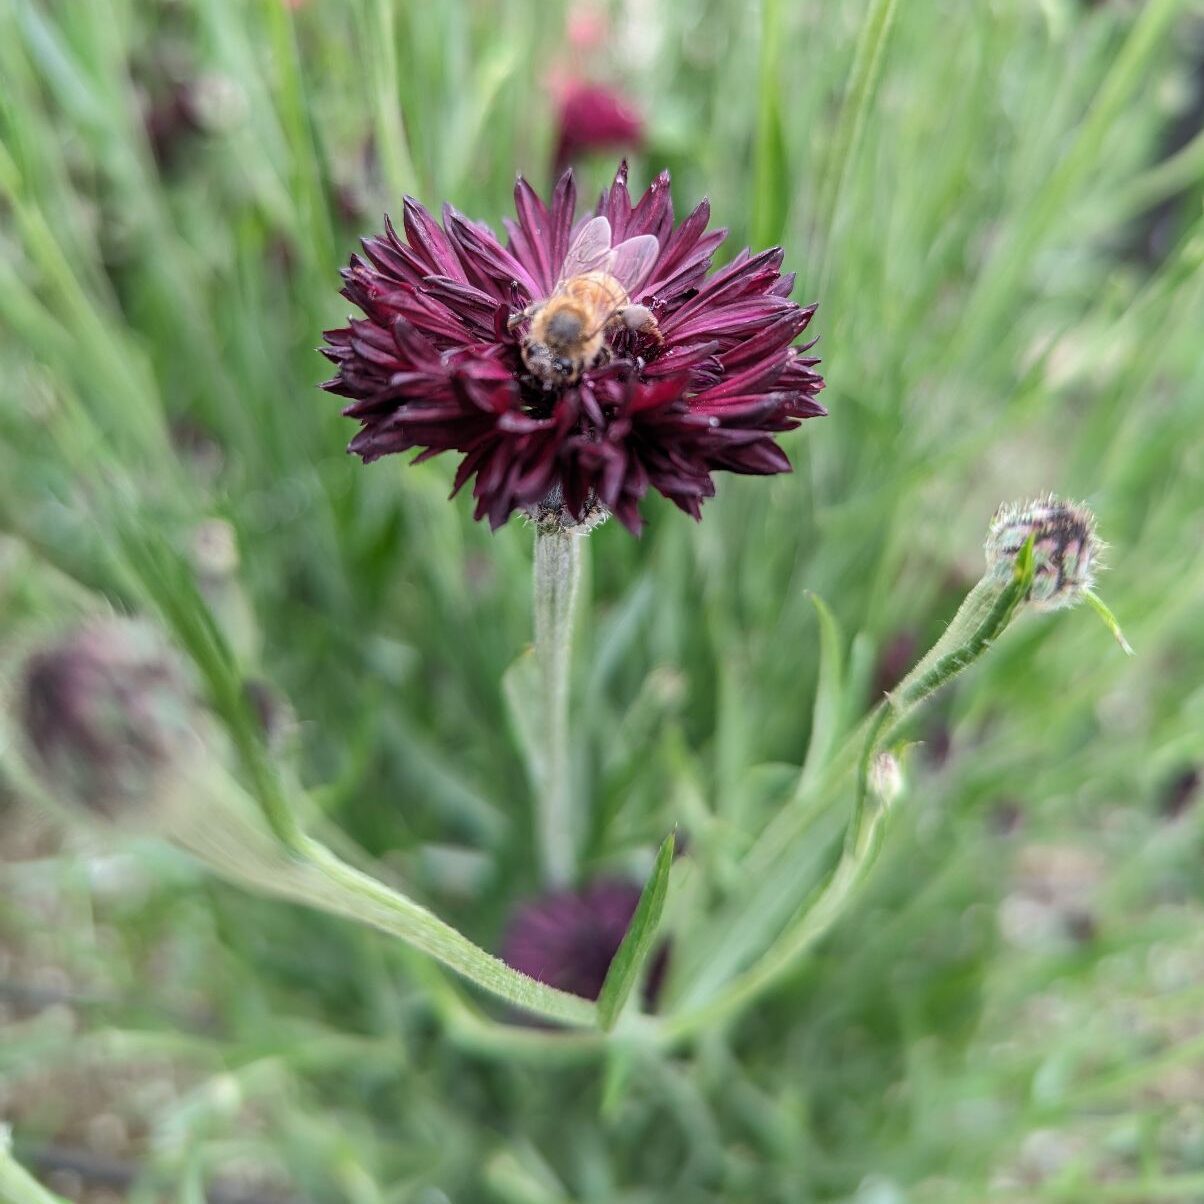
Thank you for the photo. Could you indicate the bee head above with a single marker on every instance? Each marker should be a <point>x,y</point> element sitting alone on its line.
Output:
<point>547,365</point>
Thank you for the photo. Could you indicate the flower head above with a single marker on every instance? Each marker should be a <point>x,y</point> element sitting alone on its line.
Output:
<point>1065,548</point>
<point>594,117</point>
<point>568,938</point>
<point>582,362</point>
<point>107,713</point>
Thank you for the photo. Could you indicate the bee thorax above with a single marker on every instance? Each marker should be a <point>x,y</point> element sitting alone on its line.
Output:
<point>564,326</point>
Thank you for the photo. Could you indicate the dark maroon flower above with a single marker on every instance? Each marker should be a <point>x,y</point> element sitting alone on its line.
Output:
<point>578,364</point>
<point>593,117</point>
<point>568,938</point>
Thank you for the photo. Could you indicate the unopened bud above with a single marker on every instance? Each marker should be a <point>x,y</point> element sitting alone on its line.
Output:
<point>1065,549</point>
<point>885,778</point>
<point>108,716</point>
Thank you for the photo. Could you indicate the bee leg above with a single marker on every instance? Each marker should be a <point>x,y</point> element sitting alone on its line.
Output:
<point>639,320</point>
<point>517,319</point>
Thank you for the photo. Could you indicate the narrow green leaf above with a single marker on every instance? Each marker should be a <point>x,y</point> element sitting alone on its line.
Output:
<point>826,713</point>
<point>1098,605</point>
<point>769,155</point>
<point>1022,574</point>
<point>624,971</point>
<point>854,115</point>
<point>524,702</point>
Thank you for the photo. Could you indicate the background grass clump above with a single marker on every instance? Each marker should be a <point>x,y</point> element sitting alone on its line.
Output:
<point>998,207</point>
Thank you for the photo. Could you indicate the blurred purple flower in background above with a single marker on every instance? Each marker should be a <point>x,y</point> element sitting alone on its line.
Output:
<point>592,117</point>
<point>568,938</point>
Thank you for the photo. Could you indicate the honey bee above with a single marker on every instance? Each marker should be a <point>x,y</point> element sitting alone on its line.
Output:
<point>568,330</point>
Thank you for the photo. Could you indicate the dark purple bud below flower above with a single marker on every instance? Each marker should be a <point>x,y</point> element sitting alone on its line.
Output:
<point>108,716</point>
<point>582,362</point>
<point>568,938</point>
<point>1065,549</point>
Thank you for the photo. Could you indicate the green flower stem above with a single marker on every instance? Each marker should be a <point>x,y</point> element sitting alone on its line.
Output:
<point>861,848</point>
<point>231,839</point>
<point>557,577</point>
<point>983,616</point>
<point>987,609</point>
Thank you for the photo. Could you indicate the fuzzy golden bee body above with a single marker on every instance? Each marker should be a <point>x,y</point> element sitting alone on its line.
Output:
<point>568,331</point>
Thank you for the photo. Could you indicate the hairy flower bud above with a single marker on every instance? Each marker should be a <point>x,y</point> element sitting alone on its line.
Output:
<point>885,778</point>
<point>1065,548</point>
<point>108,716</point>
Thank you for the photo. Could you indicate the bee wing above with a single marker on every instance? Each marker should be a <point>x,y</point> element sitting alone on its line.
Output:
<point>634,259</point>
<point>590,250</point>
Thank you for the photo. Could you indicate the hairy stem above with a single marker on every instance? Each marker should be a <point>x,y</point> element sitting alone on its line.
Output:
<point>229,836</point>
<point>983,616</point>
<point>557,575</point>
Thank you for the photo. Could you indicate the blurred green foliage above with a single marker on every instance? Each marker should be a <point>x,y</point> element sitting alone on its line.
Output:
<point>1006,247</point>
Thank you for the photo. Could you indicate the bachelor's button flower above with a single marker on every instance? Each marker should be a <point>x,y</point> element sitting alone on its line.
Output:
<point>579,364</point>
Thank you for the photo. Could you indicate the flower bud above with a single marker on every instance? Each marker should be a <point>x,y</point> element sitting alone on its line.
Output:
<point>1065,549</point>
<point>108,716</point>
<point>885,778</point>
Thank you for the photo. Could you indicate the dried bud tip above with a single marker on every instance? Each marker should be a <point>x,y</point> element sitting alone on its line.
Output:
<point>108,716</point>
<point>1065,549</point>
